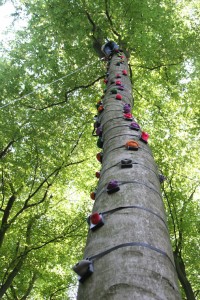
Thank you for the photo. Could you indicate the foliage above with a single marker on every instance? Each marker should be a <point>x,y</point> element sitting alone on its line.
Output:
<point>46,146</point>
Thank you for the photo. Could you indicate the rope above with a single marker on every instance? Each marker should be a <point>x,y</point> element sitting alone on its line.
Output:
<point>102,190</point>
<point>134,206</point>
<point>46,85</point>
<point>145,245</point>
<point>133,163</point>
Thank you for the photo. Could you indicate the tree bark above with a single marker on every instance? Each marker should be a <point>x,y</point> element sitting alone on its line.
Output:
<point>182,276</point>
<point>139,264</point>
<point>4,223</point>
<point>4,287</point>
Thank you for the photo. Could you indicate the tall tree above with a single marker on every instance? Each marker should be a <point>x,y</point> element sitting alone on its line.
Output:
<point>48,93</point>
<point>131,253</point>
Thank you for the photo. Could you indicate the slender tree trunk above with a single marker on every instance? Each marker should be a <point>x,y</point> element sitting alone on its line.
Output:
<point>138,263</point>
<point>182,276</point>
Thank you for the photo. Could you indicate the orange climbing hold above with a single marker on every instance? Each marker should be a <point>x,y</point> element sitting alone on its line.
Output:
<point>93,195</point>
<point>100,108</point>
<point>132,145</point>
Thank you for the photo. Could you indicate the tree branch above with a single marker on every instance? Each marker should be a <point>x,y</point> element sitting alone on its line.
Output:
<point>172,197</point>
<point>182,276</point>
<point>58,238</point>
<point>54,173</point>
<point>3,189</point>
<point>172,216</point>
<point>110,21</point>
<point>98,36</point>
<point>51,297</point>
<point>35,170</point>
<point>66,95</point>
<point>84,86</point>
<point>157,106</point>
<point>131,73</point>
<point>13,291</point>
<point>185,203</point>
<point>26,205</point>
<point>94,27</point>
<point>6,149</point>
<point>156,67</point>
<point>30,286</point>
<point>4,224</point>
<point>4,287</point>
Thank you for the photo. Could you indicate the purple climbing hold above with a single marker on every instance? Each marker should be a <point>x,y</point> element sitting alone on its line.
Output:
<point>127,108</point>
<point>120,87</point>
<point>113,186</point>
<point>162,178</point>
<point>134,126</point>
<point>99,131</point>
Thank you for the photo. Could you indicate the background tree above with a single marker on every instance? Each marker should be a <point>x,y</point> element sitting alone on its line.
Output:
<point>50,128</point>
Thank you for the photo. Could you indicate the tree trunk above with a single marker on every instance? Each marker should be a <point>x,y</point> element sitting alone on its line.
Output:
<point>139,262</point>
<point>182,276</point>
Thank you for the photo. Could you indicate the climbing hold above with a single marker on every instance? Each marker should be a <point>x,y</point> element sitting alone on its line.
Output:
<point>162,178</point>
<point>132,145</point>
<point>98,174</point>
<point>99,156</point>
<point>105,81</point>
<point>99,131</point>
<point>118,76</point>
<point>84,269</point>
<point>96,123</point>
<point>118,82</point>
<point>100,142</point>
<point>126,163</point>
<point>127,108</point>
<point>113,91</point>
<point>124,72</point>
<point>134,126</point>
<point>118,97</point>
<point>144,137</point>
<point>93,195</point>
<point>128,116</point>
<point>100,108</point>
<point>112,187</point>
<point>118,63</point>
<point>99,103</point>
<point>121,87</point>
<point>95,221</point>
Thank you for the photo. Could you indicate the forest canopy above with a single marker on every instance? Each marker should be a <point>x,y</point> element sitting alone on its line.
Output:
<point>51,78</point>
